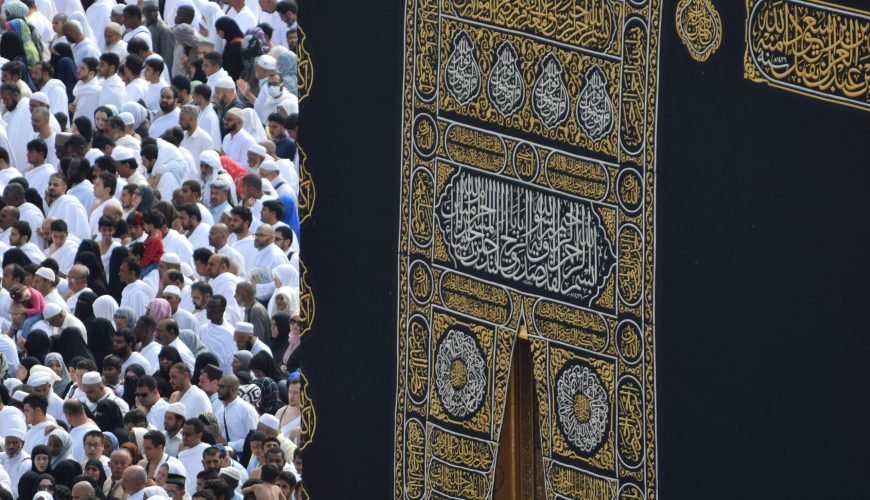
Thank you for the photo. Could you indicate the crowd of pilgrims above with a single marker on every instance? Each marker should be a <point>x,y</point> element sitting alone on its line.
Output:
<point>149,234</point>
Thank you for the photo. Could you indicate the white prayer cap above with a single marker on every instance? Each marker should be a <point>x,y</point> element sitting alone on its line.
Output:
<point>39,378</point>
<point>257,150</point>
<point>42,495</point>
<point>211,158</point>
<point>267,62</point>
<point>269,166</point>
<point>170,258</point>
<point>270,421</point>
<point>186,270</point>
<point>46,273</point>
<point>171,290</point>
<point>92,378</point>
<point>18,433</point>
<point>121,153</point>
<point>221,184</point>
<point>244,327</point>
<point>176,408</point>
<point>42,369</point>
<point>40,97</point>
<point>19,395</point>
<point>128,118</point>
<point>231,472</point>
<point>118,9</point>
<point>236,113</point>
<point>183,3</point>
<point>225,82</point>
<point>115,26</point>
<point>12,383</point>
<point>51,310</point>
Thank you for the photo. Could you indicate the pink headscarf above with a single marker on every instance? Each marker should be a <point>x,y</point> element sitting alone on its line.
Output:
<point>159,309</point>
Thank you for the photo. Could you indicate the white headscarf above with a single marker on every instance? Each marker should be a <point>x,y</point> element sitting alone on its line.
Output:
<point>105,307</point>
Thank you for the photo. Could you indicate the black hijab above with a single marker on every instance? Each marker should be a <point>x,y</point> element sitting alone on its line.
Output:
<point>265,363</point>
<point>37,344</point>
<point>15,256</point>
<point>279,344</point>
<point>66,471</point>
<point>206,358</point>
<point>40,449</point>
<point>108,416</point>
<point>116,286</point>
<point>11,47</point>
<point>69,344</point>
<point>100,330</point>
<point>28,483</point>
<point>232,55</point>
<point>96,276</point>
<point>162,377</point>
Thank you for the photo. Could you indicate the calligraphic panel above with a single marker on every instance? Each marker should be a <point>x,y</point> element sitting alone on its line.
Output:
<point>811,48</point>
<point>528,172</point>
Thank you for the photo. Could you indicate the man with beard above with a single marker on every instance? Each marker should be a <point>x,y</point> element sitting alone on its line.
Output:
<point>194,400</point>
<point>236,417</point>
<point>246,340</point>
<point>224,100</point>
<point>207,119</point>
<point>128,169</point>
<point>122,346</point>
<point>8,216</point>
<point>172,293</point>
<point>191,192</point>
<point>19,237</point>
<point>169,112</point>
<point>173,421</point>
<point>40,120</point>
<point>112,40</point>
<point>242,240</point>
<point>17,118</point>
<point>163,41</point>
<point>42,74</point>
<point>114,91</point>
<point>197,231</point>
<point>268,256</point>
<point>200,294</point>
<point>117,130</point>
<point>87,91</point>
<point>66,206</point>
<point>40,172</point>
<point>218,238</point>
<point>196,140</point>
<point>30,214</point>
<point>79,185</point>
<point>219,198</point>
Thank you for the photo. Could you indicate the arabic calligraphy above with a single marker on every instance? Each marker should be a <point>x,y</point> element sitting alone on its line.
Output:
<point>813,49</point>
<point>594,107</point>
<point>592,24</point>
<point>699,27</point>
<point>506,89</point>
<point>462,72</point>
<point>525,235</point>
<point>550,96</point>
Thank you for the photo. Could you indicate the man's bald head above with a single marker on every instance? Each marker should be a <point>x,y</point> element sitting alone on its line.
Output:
<point>73,31</point>
<point>82,489</point>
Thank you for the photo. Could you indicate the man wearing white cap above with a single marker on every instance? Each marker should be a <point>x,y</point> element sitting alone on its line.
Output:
<point>35,411</point>
<point>122,133</point>
<point>270,425</point>
<point>246,340</point>
<point>96,391</point>
<point>185,319</point>
<point>194,399</point>
<point>112,38</point>
<point>45,280</point>
<point>60,319</point>
<point>14,459</point>
<point>173,422</point>
<point>42,379</point>
<point>237,140</point>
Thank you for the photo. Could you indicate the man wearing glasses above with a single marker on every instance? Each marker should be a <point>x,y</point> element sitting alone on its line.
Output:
<point>149,401</point>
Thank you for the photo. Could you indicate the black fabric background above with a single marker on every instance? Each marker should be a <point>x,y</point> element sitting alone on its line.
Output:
<point>762,277</point>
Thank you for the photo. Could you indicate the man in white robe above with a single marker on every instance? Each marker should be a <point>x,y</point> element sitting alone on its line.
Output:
<point>136,294</point>
<point>214,72</point>
<point>82,46</point>
<point>18,125</point>
<point>80,425</point>
<point>193,398</point>
<point>131,73</point>
<point>197,231</point>
<point>269,256</point>
<point>236,417</point>
<point>167,335</point>
<point>9,165</point>
<point>217,334</point>
<point>191,455</point>
<point>15,460</point>
<point>113,41</point>
<point>185,319</point>
<point>43,77</point>
<point>36,413</point>
<point>223,282</point>
<point>19,237</point>
<point>207,119</point>
<point>13,195</point>
<point>40,174</point>
<point>133,23</point>
<point>66,207</point>
<point>114,91</point>
<point>241,14</point>
<point>196,139</point>
<point>104,194</point>
<point>40,119</point>
<point>99,14</point>
<point>218,237</point>
<point>63,249</point>
<point>87,91</point>
<point>237,140</point>
<point>169,112</point>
